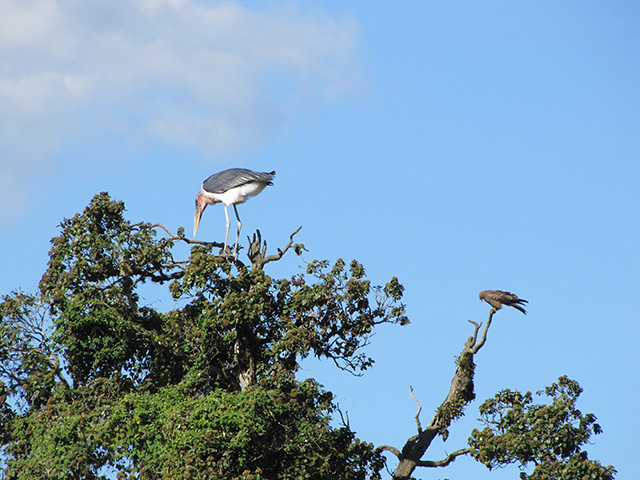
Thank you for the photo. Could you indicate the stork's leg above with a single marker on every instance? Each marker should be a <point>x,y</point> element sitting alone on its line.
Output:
<point>226,237</point>
<point>235,248</point>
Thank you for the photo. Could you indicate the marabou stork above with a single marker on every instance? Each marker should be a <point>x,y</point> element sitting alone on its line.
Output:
<point>230,187</point>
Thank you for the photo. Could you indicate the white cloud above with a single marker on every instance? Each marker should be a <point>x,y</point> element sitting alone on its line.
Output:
<point>214,76</point>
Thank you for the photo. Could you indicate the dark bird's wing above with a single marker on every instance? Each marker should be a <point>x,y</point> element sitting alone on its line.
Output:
<point>491,297</point>
<point>497,298</point>
<point>506,298</point>
<point>235,177</point>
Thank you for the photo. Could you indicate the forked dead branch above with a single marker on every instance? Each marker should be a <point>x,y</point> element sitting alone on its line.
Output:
<point>461,393</point>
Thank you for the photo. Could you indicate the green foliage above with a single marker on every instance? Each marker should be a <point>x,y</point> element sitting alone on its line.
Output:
<point>95,383</point>
<point>549,436</point>
<point>28,359</point>
<point>57,440</point>
<point>228,435</point>
<point>206,390</point>
<point>90,285</point>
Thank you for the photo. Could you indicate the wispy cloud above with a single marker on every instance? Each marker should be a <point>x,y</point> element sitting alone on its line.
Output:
<point>214,76</point>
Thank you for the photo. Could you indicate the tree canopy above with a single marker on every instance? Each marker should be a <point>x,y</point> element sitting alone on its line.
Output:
<point>95,383</point>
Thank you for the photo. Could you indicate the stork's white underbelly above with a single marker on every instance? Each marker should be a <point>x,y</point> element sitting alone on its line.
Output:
<point>237,195</point>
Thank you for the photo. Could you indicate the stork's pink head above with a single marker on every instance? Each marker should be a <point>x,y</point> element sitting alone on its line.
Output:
<point>201,203</point>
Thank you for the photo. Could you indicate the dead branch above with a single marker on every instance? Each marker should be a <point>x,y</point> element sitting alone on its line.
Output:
<point>484,332</point>
<point>472,340</point>
<point>227,256</point>
<point>461,393</point>
<point>257,252</point>
<point>388,448</point>
<point>417,417</point>
<point>344,415</point>
<point>443,463</point>
<point>185,239</point>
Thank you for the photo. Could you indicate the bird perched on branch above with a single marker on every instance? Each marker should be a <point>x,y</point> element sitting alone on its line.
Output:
<point>498,298</point>
<point>230,187</point>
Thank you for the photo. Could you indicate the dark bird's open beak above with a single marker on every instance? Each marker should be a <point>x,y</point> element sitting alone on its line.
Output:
<point>196,220</point>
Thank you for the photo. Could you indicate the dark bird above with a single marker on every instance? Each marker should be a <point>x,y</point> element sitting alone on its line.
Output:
<point>498,298</point>
<point>230,187</point>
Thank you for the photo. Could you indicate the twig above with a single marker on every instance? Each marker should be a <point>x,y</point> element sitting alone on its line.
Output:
<point>417,417</point>
<point>342,418</point>
<point>472,340</point>
<point>483,339</point>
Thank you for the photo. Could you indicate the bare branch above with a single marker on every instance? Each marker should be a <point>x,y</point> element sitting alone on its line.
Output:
<point>344,415</point>
<point>228,256</point>
<point>417,417</point>
<point>185,239</point>
<point>258,249</point>
<point>460,394</point>
<point>472,340</point>
<point>348,366</point>
<point>389,448</point>
<point>483,339</point>
<point>443,463</point>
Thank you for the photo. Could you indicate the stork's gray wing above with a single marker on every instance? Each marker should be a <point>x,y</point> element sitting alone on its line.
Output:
<point>234,177</point>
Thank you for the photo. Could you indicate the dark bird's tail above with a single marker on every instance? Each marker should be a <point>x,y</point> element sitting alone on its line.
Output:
<point>519,307</point>
<point>517,304</point>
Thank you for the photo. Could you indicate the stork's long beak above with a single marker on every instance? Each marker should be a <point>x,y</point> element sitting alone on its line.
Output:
<point>196,220</point>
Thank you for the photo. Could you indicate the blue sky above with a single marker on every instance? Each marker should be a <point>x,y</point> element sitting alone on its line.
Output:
<point>459,146</point>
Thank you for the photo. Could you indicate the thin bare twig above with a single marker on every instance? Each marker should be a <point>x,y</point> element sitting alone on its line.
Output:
<point>472,340</point>
<point>417,417</point>
<point>342,418</point>
<point>483,339</point>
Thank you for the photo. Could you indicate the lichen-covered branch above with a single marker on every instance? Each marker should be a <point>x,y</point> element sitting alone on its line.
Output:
<point>460,394</point>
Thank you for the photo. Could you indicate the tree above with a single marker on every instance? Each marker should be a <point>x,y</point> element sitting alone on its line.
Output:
<point>516,430</point>
<point>94,383</point>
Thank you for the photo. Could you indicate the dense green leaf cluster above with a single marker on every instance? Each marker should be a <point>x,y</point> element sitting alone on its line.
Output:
<point>206,390</point>
<point>90,285</point>
<point>549,436</point>
<point>264,433</point>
